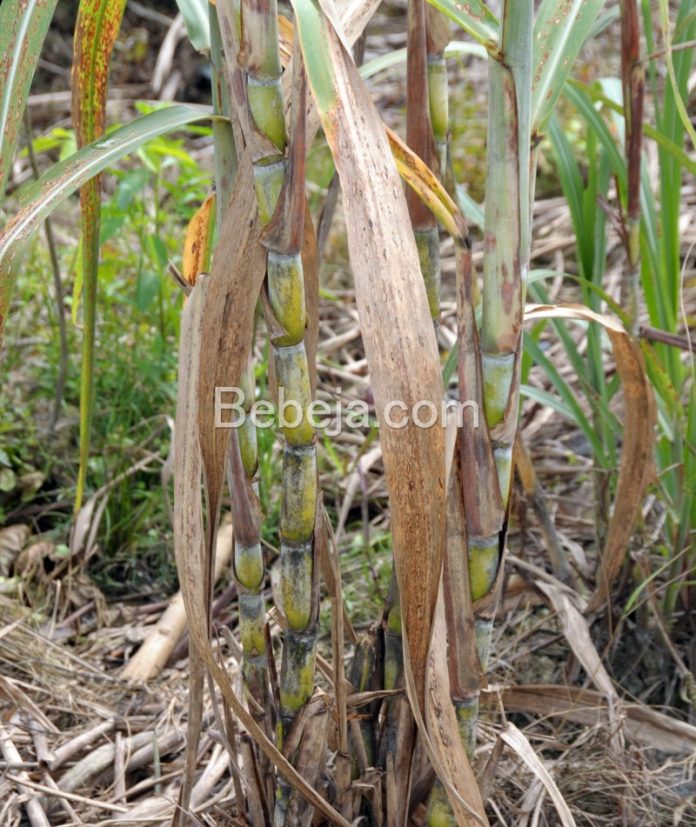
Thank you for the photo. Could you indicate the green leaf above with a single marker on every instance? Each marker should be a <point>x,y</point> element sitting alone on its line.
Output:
<point>58,183</point>
<point>471,210</point>
<point>195,14</point>
<point>568,397</point>
<point>584,105</point>
<point>397,57</point>
<point>660,138</point>
<point>23,27</point>
<point>678,100</point>
<point>474,17</point>
<point>548,400</point>
<point>560,30</point>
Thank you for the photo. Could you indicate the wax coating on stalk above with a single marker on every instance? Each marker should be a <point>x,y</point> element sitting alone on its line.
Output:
<point>246,432</point>
<point>266,105</point>
<point>498,373</point>
<point>299,493</point>
<point>287,296</point>
<point>483,564</point>
<point>503,462</point>
<point>483,631</point>
<point>467,718</point>
<point>252,618</point>
<point>297,672</point>
<point>297,570</point>
<point>292,374</point>
<point>439,811</point>
<point>438,95</point>
<point>268,182</point>
<point>248,565</point>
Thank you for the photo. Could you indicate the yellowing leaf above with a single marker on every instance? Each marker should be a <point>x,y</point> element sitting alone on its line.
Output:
<point>197,241</point>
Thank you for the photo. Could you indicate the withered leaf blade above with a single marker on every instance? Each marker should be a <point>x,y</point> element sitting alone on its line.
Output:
<point>397,330</point>
<point>637,458</point>
<point>238,270</point>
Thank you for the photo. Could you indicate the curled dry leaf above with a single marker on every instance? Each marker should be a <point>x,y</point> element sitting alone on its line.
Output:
<point>237,274</point>
<point>636,469</point>
<point>403,361</point>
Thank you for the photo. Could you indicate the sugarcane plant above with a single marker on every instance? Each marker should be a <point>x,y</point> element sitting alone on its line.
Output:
<point>414,679</point>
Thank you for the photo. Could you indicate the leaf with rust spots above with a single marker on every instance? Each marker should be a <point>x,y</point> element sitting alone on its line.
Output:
<point>560,29</point>
<point>96,29</point>
<point>23,27</point>
<point>474,17</point>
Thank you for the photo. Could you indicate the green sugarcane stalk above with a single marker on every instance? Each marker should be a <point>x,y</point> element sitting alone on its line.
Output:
<point>438,88</point>
<point>489,371</point>
<point>285,284</point>
<point>507,234</point>
<point>505,265</point>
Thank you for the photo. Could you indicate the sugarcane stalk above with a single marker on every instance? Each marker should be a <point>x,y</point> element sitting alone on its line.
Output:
<point>419,137</point>
<point>273,169</point>
<point>507,231</point>
<point>488,365</point>
<point>438,36</point>
<point>633,83</point>
<point>506,258</point>
<point>364,677</point>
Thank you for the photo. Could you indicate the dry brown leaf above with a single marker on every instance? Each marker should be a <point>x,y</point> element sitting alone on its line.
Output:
<point>238,270</point>
<point>444,732</point>
<point>577,634</point>
<point>586,707</point>
<point>518,742</point>
<point>397,330</point>
<point>636,469</point>
<point>189,542</point>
